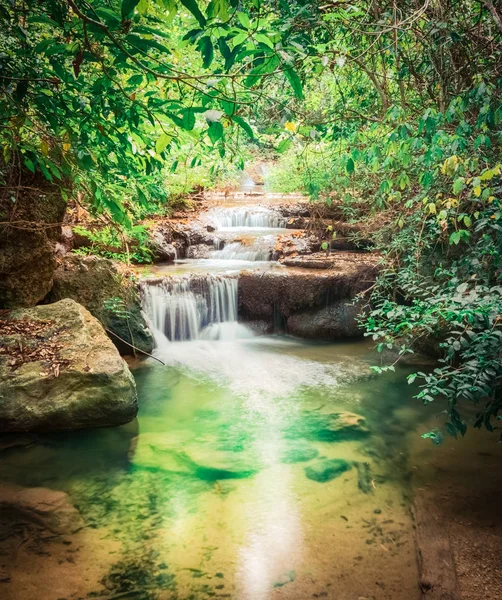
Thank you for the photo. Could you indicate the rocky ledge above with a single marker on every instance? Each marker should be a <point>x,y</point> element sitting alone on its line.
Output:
<point>315,303</point>
<point>59,370</point>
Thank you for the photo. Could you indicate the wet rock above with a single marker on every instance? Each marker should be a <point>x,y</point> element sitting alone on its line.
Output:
<point>263,295</point>
<point>294,244</point>
<point>334,322</point>
<point>160,246</point>
<point>110,296</point>
<point>47,508</point>
<point>327,469</point>
<point>200,251</point>
<point>27,254</point>
<point>319,260</point>
<point>59,370</point>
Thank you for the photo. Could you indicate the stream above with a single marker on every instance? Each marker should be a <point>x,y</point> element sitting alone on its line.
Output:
<point>260,467</point>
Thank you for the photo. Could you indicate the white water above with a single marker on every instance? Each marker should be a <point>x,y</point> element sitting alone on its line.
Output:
<point>238,251</point>
<point>225,218</point>
<point>187,308</point>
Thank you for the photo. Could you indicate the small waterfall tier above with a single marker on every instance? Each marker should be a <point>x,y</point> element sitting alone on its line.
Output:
<point>238,251</point>
<point>192,307</point>
<point>242,216</point>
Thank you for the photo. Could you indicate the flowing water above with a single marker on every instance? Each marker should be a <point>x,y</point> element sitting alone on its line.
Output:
<point>259,468</point>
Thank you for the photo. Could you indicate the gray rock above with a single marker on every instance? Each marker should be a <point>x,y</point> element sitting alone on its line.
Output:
<point>334,322</point>
<point>327,469</point>
<point>99,286</point>
<point>160,246</point>
<point>59,370</point>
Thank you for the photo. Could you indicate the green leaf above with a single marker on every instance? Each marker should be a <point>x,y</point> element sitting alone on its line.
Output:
<point>205,47</point>
<point>350,166</point>
<point>264,39</point>
<point>245,125</point>
<point>458,185</point>
<point>162,142</point>
<point>244,20</point>
<point>192,6</point>
<point>455,238</point>
<point>284,145</point>
<point>215,131</point>
<point>295,82</point>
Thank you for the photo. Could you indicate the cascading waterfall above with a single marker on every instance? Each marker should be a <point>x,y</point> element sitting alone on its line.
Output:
<point>239,217</point>
<point>238,251</point>
<point>192,307</point>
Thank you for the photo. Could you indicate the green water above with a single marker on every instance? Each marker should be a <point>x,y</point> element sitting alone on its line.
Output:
<point>237,481</point>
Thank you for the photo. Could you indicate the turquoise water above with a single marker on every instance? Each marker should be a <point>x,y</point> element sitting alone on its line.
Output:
<point>243,477</point>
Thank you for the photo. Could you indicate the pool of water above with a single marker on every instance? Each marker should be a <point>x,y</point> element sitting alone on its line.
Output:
<point>236,481</point>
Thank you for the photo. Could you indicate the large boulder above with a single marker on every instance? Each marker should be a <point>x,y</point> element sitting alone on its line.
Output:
<point>110,296</point>
<point>59,370</point>
<point>30,227</point>
<point>333,322</point>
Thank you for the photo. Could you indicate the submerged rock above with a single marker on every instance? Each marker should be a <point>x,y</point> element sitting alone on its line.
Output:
<point>178,453</point>
<point>47,508</point>
<point>299,452</point>
<point>111,297</point>
<point>327,469</point>
<point>59,370</point>
<point>325,426</point>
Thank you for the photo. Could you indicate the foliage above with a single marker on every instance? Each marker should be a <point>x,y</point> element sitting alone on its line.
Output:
<point>416,152</point>
<point>108,98</point>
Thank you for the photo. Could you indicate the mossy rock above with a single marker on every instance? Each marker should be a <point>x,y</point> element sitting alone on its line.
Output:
<point>97,284</point>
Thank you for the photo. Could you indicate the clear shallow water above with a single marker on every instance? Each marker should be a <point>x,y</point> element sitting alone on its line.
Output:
<point>208,493</point>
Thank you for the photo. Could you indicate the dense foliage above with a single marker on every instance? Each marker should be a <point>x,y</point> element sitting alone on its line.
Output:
<point>389,108</point>
<point>403,129</point>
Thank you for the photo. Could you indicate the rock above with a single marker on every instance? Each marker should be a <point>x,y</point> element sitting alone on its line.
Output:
<point>341,426</point>
<point>327,426</point>
<point>334,322</point>
<point>299,451</point>
<point>47,508</point>
<point>111,297</point>
<point>294,244</point>
<point>327,469</point>
<point>161,249</point>
<point>59,370</point>
<point>199,251</point>
<point>318,260</point>
<point>27,253</point>
<point>178,453</point>
<point>364,477</point>
<point>265,295</point>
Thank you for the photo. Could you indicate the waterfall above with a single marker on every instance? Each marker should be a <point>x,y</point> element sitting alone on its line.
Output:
<point>240,216</point>
<point>192,307</point>
<point>237,251</point>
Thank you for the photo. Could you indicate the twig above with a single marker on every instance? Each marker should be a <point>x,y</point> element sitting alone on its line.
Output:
<point>134,347</point>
